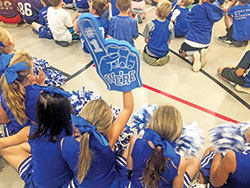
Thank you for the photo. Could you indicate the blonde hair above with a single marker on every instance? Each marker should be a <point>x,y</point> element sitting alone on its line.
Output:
<point>123,5</point>
<point>167,122</point>
<point>15,92</point>
<point>186,3</point>
<point>5,38</point>
<point>163,8</point>
<point>97,113</point>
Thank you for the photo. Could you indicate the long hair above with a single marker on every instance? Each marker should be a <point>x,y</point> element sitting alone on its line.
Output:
<point>53,116</point>
<point>98,113</point>
<point>167,122</point>
<point>6,39</point>
<point>15,93</point>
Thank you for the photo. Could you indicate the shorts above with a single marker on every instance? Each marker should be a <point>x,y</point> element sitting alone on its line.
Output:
<point>186,47</point>
<point>15,20</point>
<point>25,171</point>
<point>206,164</point>
<point>155,61</point>
<point>45,33</point>
<point>187,180</point>
<point>230,75</point>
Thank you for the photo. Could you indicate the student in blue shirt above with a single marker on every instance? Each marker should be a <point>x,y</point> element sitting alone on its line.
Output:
<point>237,21</point>
<point>123,27</point>
<point>82,6</point>
<point>201,20</point>
<point>157,34</point>
<point>30,10</point>
<point>43,26</point>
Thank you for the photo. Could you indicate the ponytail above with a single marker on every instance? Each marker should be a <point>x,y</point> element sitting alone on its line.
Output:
<point>84,157</point>
<point>155,166</point>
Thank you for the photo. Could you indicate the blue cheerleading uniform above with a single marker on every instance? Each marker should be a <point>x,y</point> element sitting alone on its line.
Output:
<point>82,4</point>
<point>104,170</point>
<point>201,20</point>
<point>44,32</point>
<point>46,168</point>
<point>158,41</point>
<point>30,105</point>
<point>30,10</point>
<point>241,22</point>
<point>181,23</point>
<point>140,154</point>
<point>123,28</point>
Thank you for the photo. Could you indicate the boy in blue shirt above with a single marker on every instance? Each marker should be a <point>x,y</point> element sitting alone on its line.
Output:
<point>201,20</point>
<point>179,18</point>
<point>30,10</point>
<point>157,34</point>
<point>43,27</point>
<point>123,27</point>
<point>237,21</point>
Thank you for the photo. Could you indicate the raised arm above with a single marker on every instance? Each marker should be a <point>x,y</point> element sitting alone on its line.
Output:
<point>122,119</point>
<point>222,168</point>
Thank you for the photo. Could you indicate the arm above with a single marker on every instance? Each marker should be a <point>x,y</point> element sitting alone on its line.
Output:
<point>222,168</point>
<point>130,150</point>
<point>179,179</point>
<point>16,139</point>
<point>4,118</point>
<point>122,119</point>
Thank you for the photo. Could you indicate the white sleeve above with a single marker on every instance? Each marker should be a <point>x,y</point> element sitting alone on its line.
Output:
<point>175,14</point>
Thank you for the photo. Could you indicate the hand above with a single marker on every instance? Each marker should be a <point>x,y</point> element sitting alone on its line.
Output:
<point>117,62</point>
<point>40,78</point>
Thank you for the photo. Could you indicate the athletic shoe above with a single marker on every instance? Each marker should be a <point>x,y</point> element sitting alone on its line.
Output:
<point>203,57</point>
<point>139,19</point>
<point>239,43</point>
<point>196,61</point>
<point>242,89</point>
<point>224,39</point>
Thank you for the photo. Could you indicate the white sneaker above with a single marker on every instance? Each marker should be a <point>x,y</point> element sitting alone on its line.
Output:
<point>197,61</point>
<point>242,89</point>
<point>203,57</point>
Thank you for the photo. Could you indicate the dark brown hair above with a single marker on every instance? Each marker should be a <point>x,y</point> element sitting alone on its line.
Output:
<point>99,6</point>
<point>54,3</point>
<point>123,5</point>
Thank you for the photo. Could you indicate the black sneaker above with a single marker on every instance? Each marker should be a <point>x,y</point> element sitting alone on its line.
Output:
<point>239,43</point>
<point>225,39</point>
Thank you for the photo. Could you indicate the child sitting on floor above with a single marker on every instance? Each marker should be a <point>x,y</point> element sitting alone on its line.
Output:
<point>43,28</point>
<point>60,23</point>
<point>158,34</point>
<point>123,27</point>
<point>9,13</point>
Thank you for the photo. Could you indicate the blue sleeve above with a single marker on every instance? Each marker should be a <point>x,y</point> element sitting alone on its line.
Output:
<point>37,5</point>
<point>41,20</point>
<point>135,29</point>
<point>111,27</point>
<point>106,29</point>
<point>230,11</point>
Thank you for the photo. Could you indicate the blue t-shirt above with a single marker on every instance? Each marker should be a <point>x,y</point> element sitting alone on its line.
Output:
<point>140,155</point>
<point>115,10</point>
<point>8,8</point>
<point>159,37</point>
<point>30,106</point>
<point>49,168</point>
<point>181,23</point>
<point>29,9</point>
<point>123,28</point>
<point>82,4</point>
<point>43,18</point>
<point>201,20</point>
<point>241,22</point>
<point>102,172</point>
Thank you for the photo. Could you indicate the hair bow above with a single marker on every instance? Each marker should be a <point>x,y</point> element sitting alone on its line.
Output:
<point>1,44</point>
<point>11,71</point>
<point>52,90</point>
<point>84,126</point>
<point>4,62</point>
<point>168,150</point>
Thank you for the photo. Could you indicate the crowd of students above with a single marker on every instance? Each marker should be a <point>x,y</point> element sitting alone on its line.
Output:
<point>51,147</point>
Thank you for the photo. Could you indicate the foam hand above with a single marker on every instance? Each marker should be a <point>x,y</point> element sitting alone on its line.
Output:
<point>117,62</point>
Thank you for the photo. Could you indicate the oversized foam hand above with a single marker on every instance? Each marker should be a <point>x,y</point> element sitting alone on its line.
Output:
<point>117,62</point>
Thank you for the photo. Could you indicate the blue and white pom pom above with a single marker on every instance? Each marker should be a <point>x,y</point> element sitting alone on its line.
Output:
<point>52,77</point>
<point>190,141</point>
<point>80,98</point>
<point>229,136</point>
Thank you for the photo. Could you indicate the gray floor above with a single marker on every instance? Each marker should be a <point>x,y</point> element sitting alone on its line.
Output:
<point>196,96</point>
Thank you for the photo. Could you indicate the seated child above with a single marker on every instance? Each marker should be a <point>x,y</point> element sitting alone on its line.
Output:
<point>60,23</point>
<point>123,27</point>
<point>43,28</point>
<point>238,75</point>
<point>30,10</point>
<point>9,13</point>
<point>157,34</point>
<point>6,42</point>
<point>82,6</point>
<point>138,9</point>
<point>179,18</point>
<point>237,21</point>
<point>201,20</point>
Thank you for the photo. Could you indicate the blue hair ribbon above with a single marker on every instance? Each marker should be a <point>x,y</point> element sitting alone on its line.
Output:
<point>11,71</point>
<point>52,90</point>
<point>84,126</point>
<point>1,44</point>
<point>4,62</point>
<point>168,149</point>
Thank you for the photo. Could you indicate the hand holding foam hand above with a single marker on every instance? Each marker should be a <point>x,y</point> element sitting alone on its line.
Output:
<point>117,62</point>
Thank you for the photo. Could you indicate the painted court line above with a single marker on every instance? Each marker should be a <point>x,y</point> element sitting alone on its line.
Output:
<point>150,8</point>
<point>190,104</point>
